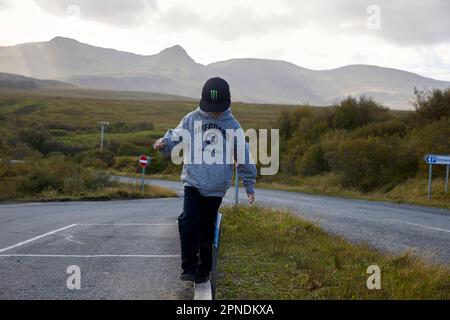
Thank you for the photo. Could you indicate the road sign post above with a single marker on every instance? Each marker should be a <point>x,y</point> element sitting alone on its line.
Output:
<point>430,175</point>
<point>446,178</point>
<point>437,159</point>
<point>143,162</point>
<point>236,187</point>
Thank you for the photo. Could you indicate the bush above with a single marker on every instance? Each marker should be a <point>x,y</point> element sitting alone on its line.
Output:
<point>42,141</point>
<point>352,113</point>
<point>96,159</point>
<point>432,138</point>
<point>314,161</point>
<point>128,149</point>
<point>383,129</point>
<point>366,164</point>
<point>432,105</point>
<point>58,175</point>
<point>35,138</point>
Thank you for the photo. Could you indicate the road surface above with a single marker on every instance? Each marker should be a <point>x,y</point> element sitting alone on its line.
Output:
<point>124,249</point>
<point>130,249</point>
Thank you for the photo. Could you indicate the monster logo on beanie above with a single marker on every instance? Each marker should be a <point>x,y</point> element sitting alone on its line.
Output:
<point>216,96</point>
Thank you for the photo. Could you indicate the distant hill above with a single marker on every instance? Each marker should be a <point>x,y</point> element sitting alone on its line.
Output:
<point>14,81</point>
<point>97,94</point>
<point>173,71</point>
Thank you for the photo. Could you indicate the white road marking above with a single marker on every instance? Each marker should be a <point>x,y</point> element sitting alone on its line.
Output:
<point>420,225</point>
<point>36,238</point>
<point>91,256</point>
<point>70,238</point>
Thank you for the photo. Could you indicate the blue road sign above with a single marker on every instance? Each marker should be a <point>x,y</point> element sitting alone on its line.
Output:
<point>437,159</point>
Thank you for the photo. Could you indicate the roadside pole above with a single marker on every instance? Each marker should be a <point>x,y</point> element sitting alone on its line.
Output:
<point>446,179</point>
<point>143,179</point>
<point>143,163</point>
<point>236,187</point>
<point>430,174</point>
<point>102,135</point>
<point>102,124</point>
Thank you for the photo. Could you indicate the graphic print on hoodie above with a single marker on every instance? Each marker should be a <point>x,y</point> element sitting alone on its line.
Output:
<point>211,180</point>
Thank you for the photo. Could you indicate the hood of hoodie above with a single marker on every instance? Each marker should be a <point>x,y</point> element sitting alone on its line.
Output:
<point>226,115</point>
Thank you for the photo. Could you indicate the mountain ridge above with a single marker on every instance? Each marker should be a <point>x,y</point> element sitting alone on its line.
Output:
<point>174,71</point>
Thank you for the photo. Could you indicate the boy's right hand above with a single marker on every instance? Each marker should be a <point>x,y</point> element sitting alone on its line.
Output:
<point>159,144</point>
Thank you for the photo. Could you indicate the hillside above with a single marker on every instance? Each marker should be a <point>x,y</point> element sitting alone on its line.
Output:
<point>173,71</point>
<point>13,81</point>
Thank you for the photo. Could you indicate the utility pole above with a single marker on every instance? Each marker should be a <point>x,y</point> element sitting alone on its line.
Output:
<point>102,124</point>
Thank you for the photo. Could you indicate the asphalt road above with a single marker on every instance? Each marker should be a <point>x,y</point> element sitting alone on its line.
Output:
<point>130,249</point>
<point>124,249</point>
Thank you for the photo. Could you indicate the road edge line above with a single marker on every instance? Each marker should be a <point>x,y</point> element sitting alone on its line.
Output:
<point>37,238</point>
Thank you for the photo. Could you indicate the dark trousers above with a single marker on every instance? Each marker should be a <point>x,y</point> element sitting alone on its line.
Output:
<point>196,226</point>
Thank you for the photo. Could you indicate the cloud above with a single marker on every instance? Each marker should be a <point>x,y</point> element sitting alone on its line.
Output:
<point>236,23</point>
<point>4,4</point>
<point>403,22</point>
<point>113,12</point>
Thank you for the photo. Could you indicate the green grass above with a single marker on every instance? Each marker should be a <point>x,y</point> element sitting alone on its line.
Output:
<point>83,113</point>
<point>118,192</point>
<point>267,254</point>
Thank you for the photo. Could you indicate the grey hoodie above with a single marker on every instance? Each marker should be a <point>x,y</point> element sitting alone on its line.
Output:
<point>210,179</point>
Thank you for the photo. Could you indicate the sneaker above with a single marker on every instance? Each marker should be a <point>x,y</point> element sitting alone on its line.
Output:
<point>187,276</point>
<point>202,277</point>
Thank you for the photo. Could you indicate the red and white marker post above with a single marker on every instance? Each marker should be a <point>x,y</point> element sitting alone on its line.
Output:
<point>144,161</point>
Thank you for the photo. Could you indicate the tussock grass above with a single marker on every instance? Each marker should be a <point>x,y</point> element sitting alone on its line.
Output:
<point>118,192</point>
<point>267,254</point>
<point>60,178</point>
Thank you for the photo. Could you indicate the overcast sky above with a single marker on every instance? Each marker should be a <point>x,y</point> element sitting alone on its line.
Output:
<point>410,34</point>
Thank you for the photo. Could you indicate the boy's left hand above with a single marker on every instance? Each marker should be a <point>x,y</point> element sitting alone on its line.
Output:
<point>250,198</point>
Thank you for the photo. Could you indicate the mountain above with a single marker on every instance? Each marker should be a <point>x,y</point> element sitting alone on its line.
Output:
<point>14,81</point>
<point>173,71</point>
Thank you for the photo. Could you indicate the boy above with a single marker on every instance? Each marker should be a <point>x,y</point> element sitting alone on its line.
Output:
<point>205,184</point>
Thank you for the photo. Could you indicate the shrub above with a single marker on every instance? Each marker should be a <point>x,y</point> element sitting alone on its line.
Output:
<point>97,159</point>
<point>314,161</point>
<point>366,164</point>
<point>288,122</point>
<point>383,129</point>
<point>432,105</point>
<point>35,138</point>
<point>128,149</point>
<point>58,175</point>
<point>432,138</point>
<point>354,113</point>
<point>96,179</point>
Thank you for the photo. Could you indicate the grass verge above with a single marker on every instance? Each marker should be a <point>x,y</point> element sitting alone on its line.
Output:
<point>119,191</point>
<point>267,254</point>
